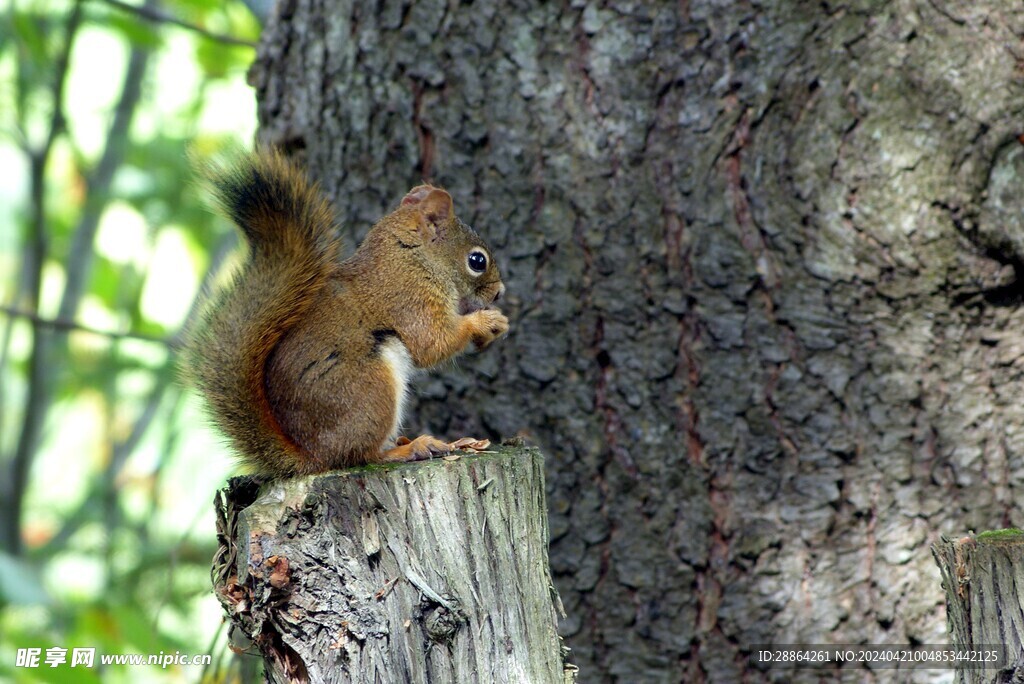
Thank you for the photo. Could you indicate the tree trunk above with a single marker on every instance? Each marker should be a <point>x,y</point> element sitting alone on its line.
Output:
<point>763,266</point>
<point>983,578</point>
<point>428,572</point>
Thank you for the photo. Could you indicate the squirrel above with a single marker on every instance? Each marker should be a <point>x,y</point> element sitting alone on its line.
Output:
<point>305,358</point>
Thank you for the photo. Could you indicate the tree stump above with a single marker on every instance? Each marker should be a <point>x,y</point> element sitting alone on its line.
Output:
<point>983,578</point>
<point>416,572</point>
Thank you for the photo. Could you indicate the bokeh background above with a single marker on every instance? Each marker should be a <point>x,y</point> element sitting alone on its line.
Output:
<point>106,468</point>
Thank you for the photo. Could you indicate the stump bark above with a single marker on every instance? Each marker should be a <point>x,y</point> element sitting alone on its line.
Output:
<point>983,578</point>
<point>420,572</point>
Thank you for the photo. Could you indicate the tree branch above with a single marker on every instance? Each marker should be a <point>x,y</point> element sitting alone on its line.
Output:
<point>66,325</point>
<point>35,405</point>
<point>150,14</point>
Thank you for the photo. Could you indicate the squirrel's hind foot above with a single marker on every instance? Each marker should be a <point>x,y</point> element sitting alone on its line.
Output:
<point>419,449</point>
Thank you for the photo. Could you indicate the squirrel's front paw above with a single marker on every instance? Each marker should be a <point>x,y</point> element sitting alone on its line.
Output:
<point>488,325</point>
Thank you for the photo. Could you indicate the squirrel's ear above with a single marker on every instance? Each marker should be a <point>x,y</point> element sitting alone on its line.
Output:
<point>435,206</point>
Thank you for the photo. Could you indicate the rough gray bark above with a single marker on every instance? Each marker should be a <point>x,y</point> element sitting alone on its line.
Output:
<point>425,572</point>
<point>983,578</point>
<point>763,283</point>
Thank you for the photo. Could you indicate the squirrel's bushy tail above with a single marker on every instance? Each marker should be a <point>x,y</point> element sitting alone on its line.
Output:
<point>293,249</point>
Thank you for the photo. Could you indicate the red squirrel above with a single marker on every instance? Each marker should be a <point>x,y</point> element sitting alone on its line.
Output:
<point>305,358</point>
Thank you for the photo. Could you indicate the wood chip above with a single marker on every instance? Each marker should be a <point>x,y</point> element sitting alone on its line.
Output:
<point>470,444</point>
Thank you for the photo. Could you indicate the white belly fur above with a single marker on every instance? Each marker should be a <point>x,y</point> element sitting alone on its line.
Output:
<point>399,362</point>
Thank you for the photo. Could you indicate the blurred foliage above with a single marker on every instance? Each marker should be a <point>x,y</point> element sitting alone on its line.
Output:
<point>107,471</point>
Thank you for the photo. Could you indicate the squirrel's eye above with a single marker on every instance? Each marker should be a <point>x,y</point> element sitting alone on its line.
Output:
<point>477,261</point>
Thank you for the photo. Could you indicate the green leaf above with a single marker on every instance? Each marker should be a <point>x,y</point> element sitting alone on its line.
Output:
<point>28,29</point>
<point>192,7</point>
<point>107,281</point>
<point>218,60</point>
<point>139,33</point>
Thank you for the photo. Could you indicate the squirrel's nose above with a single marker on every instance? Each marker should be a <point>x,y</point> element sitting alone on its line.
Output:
<point>499,293</point>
